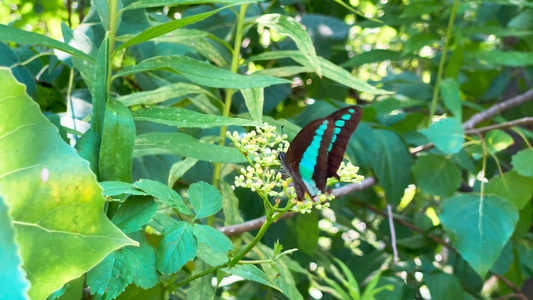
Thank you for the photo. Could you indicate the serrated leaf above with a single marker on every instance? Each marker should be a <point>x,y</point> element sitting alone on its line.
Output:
<point>392,164</point>
<point>446,134</point>
<point>201,73</point>
<point>111,276</point>
<point>212,237</point>
<point>55,199</point>
<point>288,26</point>
<point>479,227</point>
<point>205,198</point>
<point>436,175</point>
<point>184,118</point>
<point>177,247</point>
<point>513,187</point>
<point>135,212</point>
<point>14,284</point>
<point>163,193</point>
<point>184,145</point>
<point>142,259</point>
<point>254,99</point>
<point>523,162</point>
<point>114,188</point>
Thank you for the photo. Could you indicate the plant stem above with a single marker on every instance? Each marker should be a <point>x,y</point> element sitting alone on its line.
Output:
<point>112,28</point>
<point>230,92</point>
<point>442,62</point>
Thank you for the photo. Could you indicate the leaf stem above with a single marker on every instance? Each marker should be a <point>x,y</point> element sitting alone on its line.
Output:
<point>230,92</point>
<point>442,62</point>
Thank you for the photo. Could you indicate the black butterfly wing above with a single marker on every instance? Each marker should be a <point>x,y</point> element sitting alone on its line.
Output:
<point>346,121</point>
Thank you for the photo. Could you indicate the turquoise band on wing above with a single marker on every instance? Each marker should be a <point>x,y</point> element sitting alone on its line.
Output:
<point>338,127</point>
<point>309,158</point>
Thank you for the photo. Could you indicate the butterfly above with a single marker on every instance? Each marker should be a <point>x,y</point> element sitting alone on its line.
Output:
<point>317,151</point>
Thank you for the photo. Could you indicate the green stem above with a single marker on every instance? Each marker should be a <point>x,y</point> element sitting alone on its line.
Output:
<point>232,262</point>
<point>230,92</point>
<point>112,28</point>
<point>442,62</point>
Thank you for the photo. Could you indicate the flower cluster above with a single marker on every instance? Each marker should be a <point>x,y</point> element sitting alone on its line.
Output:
<point>263,175</point>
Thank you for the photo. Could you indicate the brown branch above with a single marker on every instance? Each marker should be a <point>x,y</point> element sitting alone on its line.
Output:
<point>497,108</point>
<point>512,296</point>
<point>505,125</point>
<point>257,223</point>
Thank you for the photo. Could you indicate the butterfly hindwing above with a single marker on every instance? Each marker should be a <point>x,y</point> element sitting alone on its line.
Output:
<point>316,152</point>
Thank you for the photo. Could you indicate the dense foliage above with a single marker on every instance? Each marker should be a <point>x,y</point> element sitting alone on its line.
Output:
<point>118,177</point>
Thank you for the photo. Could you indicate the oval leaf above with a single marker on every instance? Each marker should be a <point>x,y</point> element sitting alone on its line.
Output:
<point>177,247</point>
<point>436,175</point>
<point>213,238</point>
<point>446,134</point>
<point>205,199</point>
<point>523,162</point>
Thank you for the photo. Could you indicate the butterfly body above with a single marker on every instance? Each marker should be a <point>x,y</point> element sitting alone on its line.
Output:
<point>317,151</point>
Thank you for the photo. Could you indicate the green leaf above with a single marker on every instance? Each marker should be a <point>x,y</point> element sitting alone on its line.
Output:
<point>88,147</point>
<point>142,259</point>
<point>392,164</point>
<point>111,276</point>
<point>443,286</point>
<point>201,288</point>
<point>208,255</point>
<point>287,26</point>
<point>230,205</point>
<point>184,145</point>
<point>479,227</point>
<point>156,3</point>
<point>205,198</point>
<point>213,238</point>
<point>513,187</point>
<point>418,41</point>
<point>254,99</point>
<point>177,247</point>
<point>12,34</point>
<point>523,162</point>
<point>115,188</point>
<point>436,175</point>
<point>497,140</point>
<point>116,150</point>
<point>450,93</point>
<point>164,93</point>
<point>184,118</point>
<point>163,193</point>
<point>99,90</point>
<point>446,134</point>
<point>307,232</point>
<point>179,169</point>
<point>133,292</point>
<point>135,212</point>
<point>525,217</point>
<point>253,273</point>
<point>56,202</point>
<point>159,30</point>
<point>201,73</point>
<point>502,58</point>
<point>14,284</point>
<point>329,70</point>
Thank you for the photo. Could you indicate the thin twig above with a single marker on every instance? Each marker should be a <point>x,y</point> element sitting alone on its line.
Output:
<point>505,125</point>
<point>392,234</point>
<point>512,296</point>
<point>498,108</point>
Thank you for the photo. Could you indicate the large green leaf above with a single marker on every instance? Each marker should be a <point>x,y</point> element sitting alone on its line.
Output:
<point>502,58</point>
<point>523,162</point>
<point>179,169</point>
<point>12,34</point>
<point>57,204</point>
<point>134,213</point>
<point>184,145</point>
<point>251,272</point>
<point>177,247</point>
<point>157,3</point>
<point>14,284</point>
<point>329,70</point>
<point>163,193</point>
<point>443,286</point>
<point>111,276</point>
<point>201,73</point>
<point>184,118</point>
<point>118,137</point>
<point>162,94</point>
<point>213,238</point>
<point>392,164</point>
<point>446,134</point>
<point>479,226</point>
<point>288,26</point>
<point>205,198</point>
<point>513,187</point>
<point>436,175</point>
